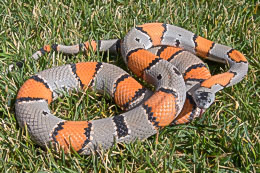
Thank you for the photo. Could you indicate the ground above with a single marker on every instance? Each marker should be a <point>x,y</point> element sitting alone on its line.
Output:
<point>224,139</point>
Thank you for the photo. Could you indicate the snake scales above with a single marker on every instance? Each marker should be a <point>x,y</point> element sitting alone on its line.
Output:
<point>162,54</point>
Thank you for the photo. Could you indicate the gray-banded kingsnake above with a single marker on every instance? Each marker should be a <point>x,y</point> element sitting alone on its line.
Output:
<point>162,54</point>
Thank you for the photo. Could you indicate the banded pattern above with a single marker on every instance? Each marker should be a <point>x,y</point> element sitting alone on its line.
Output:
<point>161,54</point>
<point>146,37</point>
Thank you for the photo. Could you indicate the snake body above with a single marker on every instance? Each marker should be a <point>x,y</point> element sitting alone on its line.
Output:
<point>162,54</point>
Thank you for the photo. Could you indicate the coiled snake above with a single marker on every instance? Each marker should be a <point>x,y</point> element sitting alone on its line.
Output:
<point>162,54</point>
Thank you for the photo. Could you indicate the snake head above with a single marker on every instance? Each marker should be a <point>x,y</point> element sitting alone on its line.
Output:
<point>203,99</point>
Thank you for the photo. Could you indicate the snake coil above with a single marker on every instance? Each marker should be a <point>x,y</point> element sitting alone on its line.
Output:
<point>162,54</point>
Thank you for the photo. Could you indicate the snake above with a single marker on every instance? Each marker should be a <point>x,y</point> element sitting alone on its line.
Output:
<point>163,55</point>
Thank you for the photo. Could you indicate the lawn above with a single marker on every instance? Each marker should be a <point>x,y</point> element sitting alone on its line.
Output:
<point>224,139</point>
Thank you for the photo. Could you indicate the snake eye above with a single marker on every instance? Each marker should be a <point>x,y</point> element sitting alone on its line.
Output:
<point>159,77</point>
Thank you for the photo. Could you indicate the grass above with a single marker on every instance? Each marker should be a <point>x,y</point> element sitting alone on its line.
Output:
<point>225,139</point>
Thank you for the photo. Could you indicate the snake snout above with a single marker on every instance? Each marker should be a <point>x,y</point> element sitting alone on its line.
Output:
<point>203,99</point>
